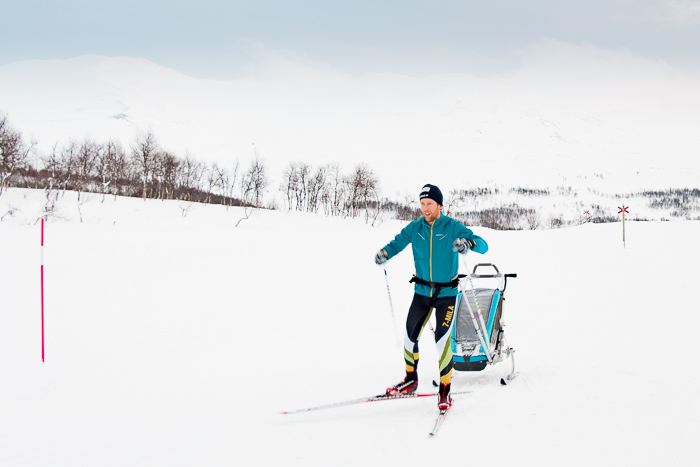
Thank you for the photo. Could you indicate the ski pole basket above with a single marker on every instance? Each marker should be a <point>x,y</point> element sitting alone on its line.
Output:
<point>478,337</point>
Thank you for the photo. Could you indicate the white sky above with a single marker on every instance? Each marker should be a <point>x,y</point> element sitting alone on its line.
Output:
<point>228,39</point>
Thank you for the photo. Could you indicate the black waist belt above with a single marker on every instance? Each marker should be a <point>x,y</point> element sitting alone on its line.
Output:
<point>437,285</point>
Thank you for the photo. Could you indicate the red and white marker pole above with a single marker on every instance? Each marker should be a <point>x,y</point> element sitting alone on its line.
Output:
<point>42,289</point>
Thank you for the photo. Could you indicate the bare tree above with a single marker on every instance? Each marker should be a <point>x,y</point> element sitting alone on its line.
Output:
<point>168,166</point>
<point>84,164</point>
<point>455,200</point>
<point>210,179</point>
<point>316,188</point>
<point>222,181</point>
<point>556,221</point>
<point>13,152</point>
<point>289,185</point>
<point>68,161</point>
<point>361,189</point>
<point>333,195</point>
<point>255,182</point>
<point>408,210</point>
<point>190,177</point>
<point>165,170</point>
<point>52,164</point>
<point>234,178</point>
<point>102,167</point>
<point>114,168</point>
<point>144,153</point>
<point>225,182</point>
<point>533,220</point>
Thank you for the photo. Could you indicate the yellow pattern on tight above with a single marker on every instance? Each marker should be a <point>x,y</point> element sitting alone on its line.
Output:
<point>446,379</point>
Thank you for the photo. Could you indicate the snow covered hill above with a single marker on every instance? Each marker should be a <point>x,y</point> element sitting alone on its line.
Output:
<point>174,338</point>
<point>631,123</point>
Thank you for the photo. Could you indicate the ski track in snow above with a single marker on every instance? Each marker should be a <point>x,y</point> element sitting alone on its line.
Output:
<point>175,340</point>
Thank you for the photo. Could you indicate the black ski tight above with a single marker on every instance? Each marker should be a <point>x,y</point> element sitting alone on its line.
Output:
<point>418,316</point>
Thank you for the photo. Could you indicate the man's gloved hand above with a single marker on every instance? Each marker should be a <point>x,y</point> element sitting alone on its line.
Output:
<point>382,257</point>
<point>461,245</point>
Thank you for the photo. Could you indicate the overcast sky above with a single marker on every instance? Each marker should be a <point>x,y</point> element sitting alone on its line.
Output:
<point>229,38</point>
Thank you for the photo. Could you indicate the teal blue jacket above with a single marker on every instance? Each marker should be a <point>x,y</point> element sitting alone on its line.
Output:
<point>433,253</point>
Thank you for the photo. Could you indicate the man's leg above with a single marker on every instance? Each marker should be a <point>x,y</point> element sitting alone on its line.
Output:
<point>418,315</point>
<point>444,318</point>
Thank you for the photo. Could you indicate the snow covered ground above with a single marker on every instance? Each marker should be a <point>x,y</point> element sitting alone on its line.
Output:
<point>175,339</point>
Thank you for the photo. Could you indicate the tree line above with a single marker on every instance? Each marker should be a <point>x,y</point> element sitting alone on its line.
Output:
<point>325,189</point>
<point>142,170</point>
<point>146,170</point>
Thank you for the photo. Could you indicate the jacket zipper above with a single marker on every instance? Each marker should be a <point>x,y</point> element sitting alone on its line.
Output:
<point>431,256</point>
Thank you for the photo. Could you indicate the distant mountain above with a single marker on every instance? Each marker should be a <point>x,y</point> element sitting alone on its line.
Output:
<point>456,130</point>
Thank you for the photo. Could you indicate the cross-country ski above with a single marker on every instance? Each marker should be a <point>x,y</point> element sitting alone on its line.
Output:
<point>377,398</point>
<point>438,421</point>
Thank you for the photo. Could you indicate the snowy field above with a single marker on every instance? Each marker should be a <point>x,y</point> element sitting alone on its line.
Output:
<point>176,340</point>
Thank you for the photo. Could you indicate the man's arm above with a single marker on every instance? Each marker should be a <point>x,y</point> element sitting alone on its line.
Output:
<point>400,242</point>
<point>479,244</point>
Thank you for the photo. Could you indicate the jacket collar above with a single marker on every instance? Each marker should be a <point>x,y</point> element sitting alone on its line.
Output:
<point>437,222</point>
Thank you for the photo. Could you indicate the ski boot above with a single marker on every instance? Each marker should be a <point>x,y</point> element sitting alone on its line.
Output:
<point>407,386</point>
<point>444,398</point>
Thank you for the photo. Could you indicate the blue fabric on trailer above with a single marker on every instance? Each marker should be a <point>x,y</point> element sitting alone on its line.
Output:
<point>492,313</point>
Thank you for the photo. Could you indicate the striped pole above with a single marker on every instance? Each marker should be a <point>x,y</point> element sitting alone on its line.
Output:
<point>42,289</point>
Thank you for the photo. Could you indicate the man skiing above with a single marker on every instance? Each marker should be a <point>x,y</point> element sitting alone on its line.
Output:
<point>436,240</point>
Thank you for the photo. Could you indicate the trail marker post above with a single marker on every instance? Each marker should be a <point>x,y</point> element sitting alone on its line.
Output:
<point>623,210</point>
<point>42,289</point>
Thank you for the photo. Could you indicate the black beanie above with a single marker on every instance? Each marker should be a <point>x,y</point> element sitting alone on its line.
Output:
<point>432,192</point>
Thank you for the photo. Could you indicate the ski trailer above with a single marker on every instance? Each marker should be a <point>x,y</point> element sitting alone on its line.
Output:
<point>478,337</point>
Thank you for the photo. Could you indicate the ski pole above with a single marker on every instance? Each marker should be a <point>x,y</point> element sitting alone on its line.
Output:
<point>391,307</point>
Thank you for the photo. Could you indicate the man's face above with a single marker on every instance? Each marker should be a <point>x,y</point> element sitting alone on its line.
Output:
<point>431,210</point>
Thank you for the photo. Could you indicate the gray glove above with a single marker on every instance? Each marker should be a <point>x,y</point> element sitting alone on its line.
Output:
<point>382,257</point>
<point>461,245</point>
